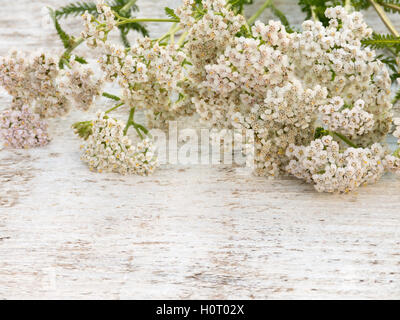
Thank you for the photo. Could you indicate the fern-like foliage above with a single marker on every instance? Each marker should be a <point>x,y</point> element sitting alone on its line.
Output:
<point>392,6</point>
<point>75,9</point>
<point>171,13</point>
<point>396,97</point>
<point>65,38</point>
<point>319,7</point>
<point>281,16</point>
<point>382,41</point>
<point>390,46</point>
<point>392,65</point>
<point>238,5</point>
<point>80,7</point>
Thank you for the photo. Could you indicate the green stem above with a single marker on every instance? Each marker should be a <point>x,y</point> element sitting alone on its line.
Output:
<point>182,38</point>
<point>397,153</point>
<point>254,17</point>
<point>174,29</point>
<point>115,107</point>
<point>111,96</point>
<point>125,9</point>
<point>130,121</point>
<point>314,14</point>
<point>345,139</point>
<point>138,127</point>
<point>170,33</point>
<point>390,6</point>
<point>385,19</point>
<point>126,21</point>
<point>65,61</point>
<point>135,125</point>
<point>67,53</point>
<point>348,6</point>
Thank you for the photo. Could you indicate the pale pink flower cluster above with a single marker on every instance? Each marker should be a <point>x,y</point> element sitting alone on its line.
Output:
<point>34,80</point>
<point>23,129</point>
<point>41,90</point>
<point>81,86</point>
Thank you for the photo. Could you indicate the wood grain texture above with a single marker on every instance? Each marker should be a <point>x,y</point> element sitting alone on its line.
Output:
<point>186,232</point>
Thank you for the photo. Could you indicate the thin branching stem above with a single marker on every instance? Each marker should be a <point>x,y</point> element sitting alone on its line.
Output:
<point>175,28</point>
<point>254,17</point>
<point>348,6</point>
<point>130,121</point>
<point>182,39</point>
<point>111,96</point>
<point>125,9</point>
<point>344,139</point>
<point>76,43</point>
<point>314,14</point>
<point>126,21</point>
<point>115,107</point>
<point>390,6</point>
<point>385,19</point>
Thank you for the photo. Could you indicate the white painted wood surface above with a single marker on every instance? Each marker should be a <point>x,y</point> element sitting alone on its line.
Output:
<point>186,232</point>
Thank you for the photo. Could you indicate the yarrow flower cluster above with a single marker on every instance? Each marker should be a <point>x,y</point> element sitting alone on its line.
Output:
<point>81,86</point>
<point>33,80</point>
<point>40,89</point>
<point>285,116</point>
<point>351,121</point>
<point>150,76</point>
<point>151,80</point>
<point>396,133</point>
<point>211,27</point>
<point>333,57</point>
<point>23,129</point>
<point>330,170</point>
<point>317,101</point>
<point>108,149</point>
<point>97,28</point>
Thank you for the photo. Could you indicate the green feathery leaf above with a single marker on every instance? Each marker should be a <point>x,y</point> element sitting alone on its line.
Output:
<point>83,129</point>
<point>238,5</point>
<point>392,6</point>
<point>135,26</point>
<point>281,16</point>
<point>81,60</point>
<point>171,13</point>
<point>382,41</point>
<point>319,7</point>
<point>320,132</point>
<point>124,38</point>
<point>65,38</point>
<point>397,97</point>
<point>111,96</point>
<point>77,8</point>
